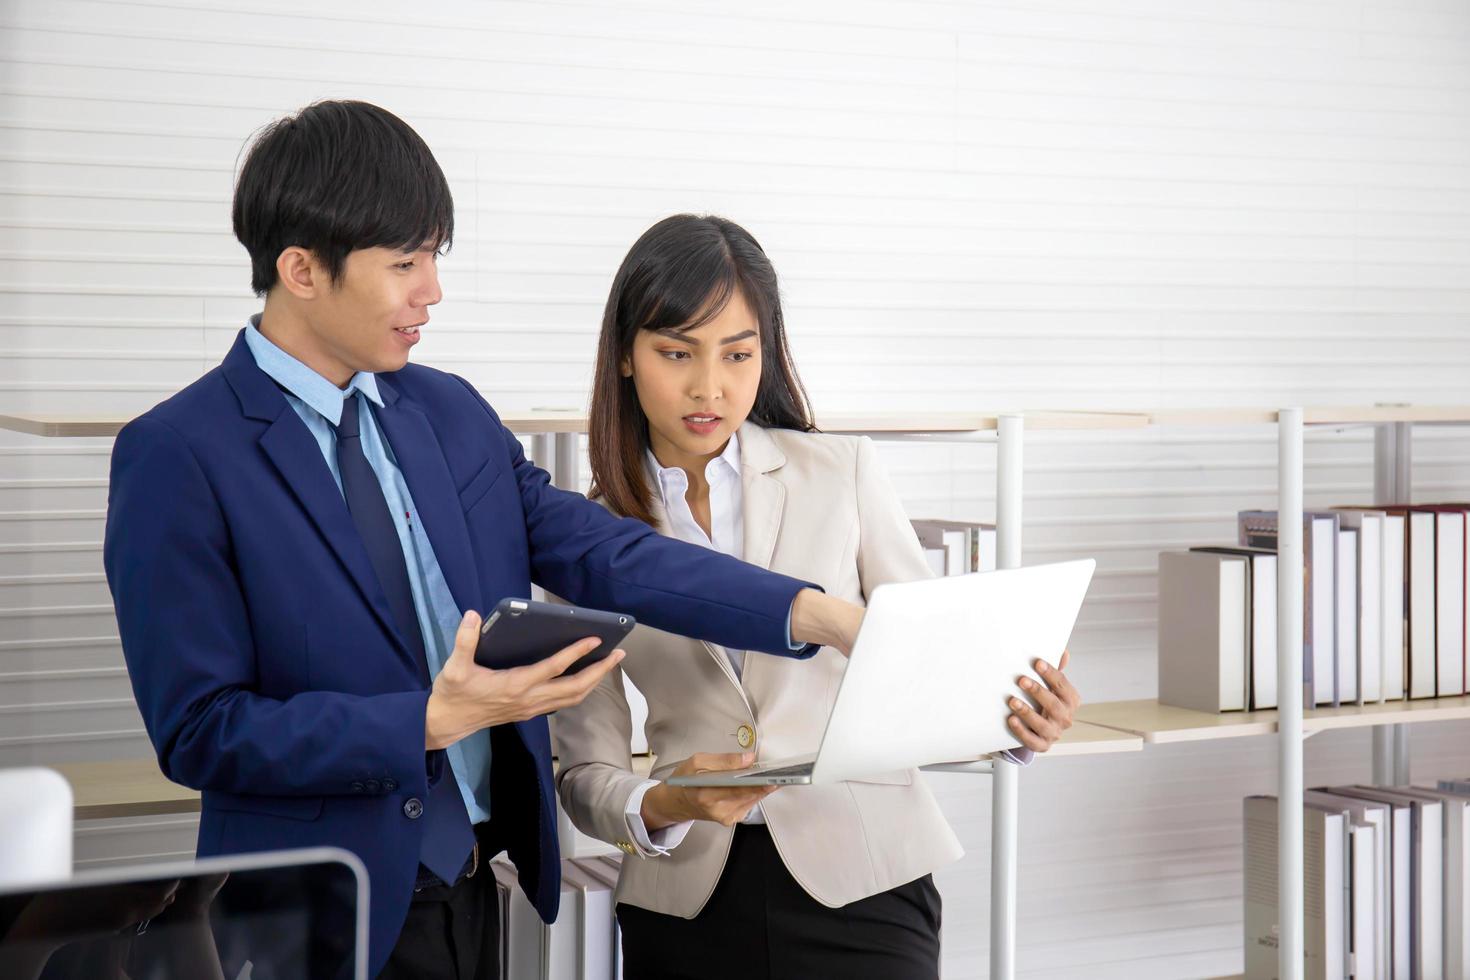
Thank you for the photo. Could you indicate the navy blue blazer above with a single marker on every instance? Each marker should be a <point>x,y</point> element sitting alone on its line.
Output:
<point>262,650</point>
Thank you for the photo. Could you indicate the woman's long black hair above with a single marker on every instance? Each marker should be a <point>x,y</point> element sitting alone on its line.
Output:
<point>678,276</point>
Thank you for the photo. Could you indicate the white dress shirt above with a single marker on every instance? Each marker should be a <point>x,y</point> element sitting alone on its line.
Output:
<point>727,535</point>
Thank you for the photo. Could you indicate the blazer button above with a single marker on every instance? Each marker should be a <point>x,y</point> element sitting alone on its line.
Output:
<point>413,809</point>
<point>745,735</point>
<point>358,788</point>
<point>373,786</point>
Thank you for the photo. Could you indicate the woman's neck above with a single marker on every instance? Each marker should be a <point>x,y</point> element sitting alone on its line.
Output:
<point>694,466</point>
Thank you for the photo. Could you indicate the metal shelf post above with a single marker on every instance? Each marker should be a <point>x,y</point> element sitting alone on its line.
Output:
<point>1290,846</point>
<point>1005,787</point>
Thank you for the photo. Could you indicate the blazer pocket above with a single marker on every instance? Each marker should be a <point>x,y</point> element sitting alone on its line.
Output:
<point>479,485</point>
<point>289,807</point>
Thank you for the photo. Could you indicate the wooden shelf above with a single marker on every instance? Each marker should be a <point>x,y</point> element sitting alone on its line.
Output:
<point>63,425</point>
<point>1387,713</point>
<point>572,420</point>
<point>1088,739</point>
<point>1329,415</point>
<point>1159,723</point>
<point>125,788</point>
<point>60,426</point>
<point>553,421</point>
<point>135,788</point>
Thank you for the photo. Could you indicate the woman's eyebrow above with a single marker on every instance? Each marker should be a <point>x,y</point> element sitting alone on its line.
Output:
<point>674,333</point>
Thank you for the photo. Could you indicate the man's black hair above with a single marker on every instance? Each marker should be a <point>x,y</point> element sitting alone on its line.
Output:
<point>336,177</point>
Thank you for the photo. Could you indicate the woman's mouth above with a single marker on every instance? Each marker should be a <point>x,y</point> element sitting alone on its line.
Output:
<point>702,425</point>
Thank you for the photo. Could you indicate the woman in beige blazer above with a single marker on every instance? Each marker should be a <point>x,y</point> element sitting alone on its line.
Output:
<point>700,428</point>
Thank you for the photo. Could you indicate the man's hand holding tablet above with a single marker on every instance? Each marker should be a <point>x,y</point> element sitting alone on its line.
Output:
<point>468,696</point>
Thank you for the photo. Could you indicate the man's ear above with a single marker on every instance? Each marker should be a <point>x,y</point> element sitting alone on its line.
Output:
<point>298,272</point>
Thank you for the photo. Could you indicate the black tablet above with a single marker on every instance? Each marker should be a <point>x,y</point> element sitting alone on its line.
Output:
<point>522,631</point>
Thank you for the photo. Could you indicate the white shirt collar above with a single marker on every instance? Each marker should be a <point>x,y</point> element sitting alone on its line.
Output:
<point>301,381</point>
<point>726,500</point>
<point>727,463</point>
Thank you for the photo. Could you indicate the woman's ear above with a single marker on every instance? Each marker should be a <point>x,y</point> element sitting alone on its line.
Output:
<point>625,367</point>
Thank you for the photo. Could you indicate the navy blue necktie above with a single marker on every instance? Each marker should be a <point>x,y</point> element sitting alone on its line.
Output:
<point>448,839</point>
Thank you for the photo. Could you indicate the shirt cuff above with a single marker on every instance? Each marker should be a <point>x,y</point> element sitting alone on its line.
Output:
<point>790,643</point>
<point>659,842</point>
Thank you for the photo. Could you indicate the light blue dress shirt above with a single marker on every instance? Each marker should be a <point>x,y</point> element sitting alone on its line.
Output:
<point>319,403</point>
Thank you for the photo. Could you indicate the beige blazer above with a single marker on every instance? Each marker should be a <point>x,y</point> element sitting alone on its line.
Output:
<point>816,507</point>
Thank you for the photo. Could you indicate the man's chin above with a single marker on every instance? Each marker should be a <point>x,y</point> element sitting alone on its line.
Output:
<point>389,364</point>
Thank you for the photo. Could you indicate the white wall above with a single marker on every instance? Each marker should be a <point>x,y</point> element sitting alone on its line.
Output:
<point>1084,203</point>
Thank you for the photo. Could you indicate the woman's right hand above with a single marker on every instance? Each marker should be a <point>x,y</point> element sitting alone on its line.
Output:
<point>665,805</point>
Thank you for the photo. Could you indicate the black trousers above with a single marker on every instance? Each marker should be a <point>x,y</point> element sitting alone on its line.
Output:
<point>760,925</point>
<point>452,931</point>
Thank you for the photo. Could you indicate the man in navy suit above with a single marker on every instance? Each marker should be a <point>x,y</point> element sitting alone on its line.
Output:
<point>299,545</point>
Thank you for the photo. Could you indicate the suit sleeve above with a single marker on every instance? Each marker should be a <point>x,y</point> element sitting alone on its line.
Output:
<point>596,777</point>
<point>186,636</point>
<point>582,552</point>
<point>888,549</point>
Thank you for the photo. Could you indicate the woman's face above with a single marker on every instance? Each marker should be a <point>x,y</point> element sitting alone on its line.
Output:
<point>697,387</point>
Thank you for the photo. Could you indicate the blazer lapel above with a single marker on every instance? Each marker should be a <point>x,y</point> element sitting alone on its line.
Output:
<point>763,505</point>
<point>765,496</point>
<point>421,459</point>
<point>289,446</point>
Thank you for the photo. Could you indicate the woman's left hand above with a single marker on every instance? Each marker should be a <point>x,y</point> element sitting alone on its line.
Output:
<point>1040,724</point>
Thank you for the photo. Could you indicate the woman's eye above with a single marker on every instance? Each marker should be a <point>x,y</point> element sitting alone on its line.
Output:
<point>740,357</point>
<point>674,355</point>
<point>405,266</point>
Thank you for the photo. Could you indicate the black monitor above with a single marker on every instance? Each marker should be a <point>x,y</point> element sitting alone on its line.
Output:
<point>283,915</point>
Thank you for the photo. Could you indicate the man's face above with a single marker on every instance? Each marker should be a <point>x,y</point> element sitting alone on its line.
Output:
<point>370,318</point>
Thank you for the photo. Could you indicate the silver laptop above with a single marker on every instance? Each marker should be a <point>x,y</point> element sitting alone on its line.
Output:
<point>280,915</point>
<point>931,672</point>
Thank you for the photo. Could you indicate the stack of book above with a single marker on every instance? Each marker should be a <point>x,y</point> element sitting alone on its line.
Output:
<point>582,944</point>
<point>1384,607</point>
<point>957,547</point>
<point>1387,872</point>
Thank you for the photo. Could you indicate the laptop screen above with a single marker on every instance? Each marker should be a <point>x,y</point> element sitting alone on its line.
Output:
<point>290,915</point>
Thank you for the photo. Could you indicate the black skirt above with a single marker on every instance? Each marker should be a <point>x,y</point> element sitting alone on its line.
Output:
<point>760,925</point>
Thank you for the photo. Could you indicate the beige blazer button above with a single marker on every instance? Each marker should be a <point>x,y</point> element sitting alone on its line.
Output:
<point>745,735</point>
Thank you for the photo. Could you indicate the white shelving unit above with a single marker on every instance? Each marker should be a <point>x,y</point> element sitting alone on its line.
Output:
<point>1124,726</point>
<point>1159,723</point>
